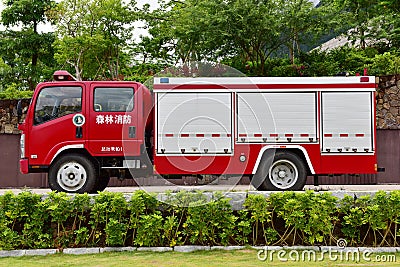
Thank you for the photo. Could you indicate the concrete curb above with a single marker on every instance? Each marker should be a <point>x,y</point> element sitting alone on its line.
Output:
<point>155,249</point>
<point>81,251</point>
<point>118,249</point>
<point>27,252</point>
<point>190,248</point>
<point>186,249</point>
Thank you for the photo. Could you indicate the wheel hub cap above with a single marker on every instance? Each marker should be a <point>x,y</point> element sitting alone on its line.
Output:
<point>71,176</point>
<point>283,174</point>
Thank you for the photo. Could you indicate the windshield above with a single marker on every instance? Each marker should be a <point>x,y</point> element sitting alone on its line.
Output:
<point>56,102</point>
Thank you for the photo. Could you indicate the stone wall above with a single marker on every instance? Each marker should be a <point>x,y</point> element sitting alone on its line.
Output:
<point>388,102</point>
<point>387,113</point>
<point>9,117</point>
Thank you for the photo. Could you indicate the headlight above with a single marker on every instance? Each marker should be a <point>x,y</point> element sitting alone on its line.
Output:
<point>22,145</point>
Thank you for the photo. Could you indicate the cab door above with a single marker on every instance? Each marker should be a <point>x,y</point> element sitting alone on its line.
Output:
<point>57,121</point>
<point>113,122</point>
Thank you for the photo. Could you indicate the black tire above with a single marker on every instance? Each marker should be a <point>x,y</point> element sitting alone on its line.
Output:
<point>280,172</point>
<point>73,173</point>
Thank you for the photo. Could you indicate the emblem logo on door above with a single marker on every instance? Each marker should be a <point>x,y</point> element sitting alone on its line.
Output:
<point>78,120</point>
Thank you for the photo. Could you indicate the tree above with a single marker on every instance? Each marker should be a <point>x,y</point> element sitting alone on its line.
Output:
<point>249,30</point>
<point>385,27</point>
<point>304,24</point>
<point>29,57</point>
<point>26,49</point>
<point>93,36</point>
<point>357,15</point>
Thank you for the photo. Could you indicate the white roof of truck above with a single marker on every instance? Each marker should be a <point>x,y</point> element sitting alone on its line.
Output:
<point>341,83</point>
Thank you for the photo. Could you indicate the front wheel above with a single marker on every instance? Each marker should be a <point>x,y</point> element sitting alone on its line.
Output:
<point>279,172</point>
<point>73,174</point>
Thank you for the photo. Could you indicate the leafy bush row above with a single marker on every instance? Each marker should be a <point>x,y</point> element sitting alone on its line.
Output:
<point>58,220</point>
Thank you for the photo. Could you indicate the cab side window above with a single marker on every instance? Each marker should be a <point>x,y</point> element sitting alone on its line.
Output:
<point>113,99</point>
<point>56,102</point>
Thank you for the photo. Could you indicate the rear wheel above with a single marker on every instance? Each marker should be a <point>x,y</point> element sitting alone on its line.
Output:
<point>279,172</point>
<point>73,174</point>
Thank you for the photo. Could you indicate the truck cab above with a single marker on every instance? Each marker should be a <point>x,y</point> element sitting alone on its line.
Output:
<point>83,132</point>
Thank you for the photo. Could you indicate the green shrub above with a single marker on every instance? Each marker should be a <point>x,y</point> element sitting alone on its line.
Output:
<point>13,92</point>
<point>210,223</point>
<point>58,220</point>
<point>385,64</point>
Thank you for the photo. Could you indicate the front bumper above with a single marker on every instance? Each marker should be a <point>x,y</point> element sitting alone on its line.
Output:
<point>24,166</point>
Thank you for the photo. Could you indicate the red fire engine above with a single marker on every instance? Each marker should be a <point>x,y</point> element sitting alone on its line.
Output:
<point>275,130</point>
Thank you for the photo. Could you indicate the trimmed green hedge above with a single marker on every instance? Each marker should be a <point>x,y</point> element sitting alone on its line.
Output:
<point>58,220</point>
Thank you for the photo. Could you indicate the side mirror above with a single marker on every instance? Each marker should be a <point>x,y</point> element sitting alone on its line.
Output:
<point>19,110</point>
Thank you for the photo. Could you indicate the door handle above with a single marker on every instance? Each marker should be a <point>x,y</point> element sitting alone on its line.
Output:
<point>132,132</point>
<point>78,132</point>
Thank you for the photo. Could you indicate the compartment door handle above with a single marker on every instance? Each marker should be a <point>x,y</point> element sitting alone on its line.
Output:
<point>132,132</point>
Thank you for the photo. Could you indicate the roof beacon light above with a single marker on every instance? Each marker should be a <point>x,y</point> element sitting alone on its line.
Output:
<point>63,75</point>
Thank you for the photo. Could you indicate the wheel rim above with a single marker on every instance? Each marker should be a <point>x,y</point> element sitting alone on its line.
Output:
<point>283,174</point>
<point>71,176</point>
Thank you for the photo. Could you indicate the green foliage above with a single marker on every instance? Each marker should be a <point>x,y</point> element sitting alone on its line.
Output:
<point>356,14</point>
<point>149,231</point>
<point>82,205</point>
<point>109,212</point>
<point>59,220</point>
<point>387,63</point>
<point>27,53</point>
<point>142,72</point>
<point>23,221</point>
<point>378,215</point>
<point>260,211</point>
<point>258,30</point>
<point>13,92</point>
<point>308,216</point>
<point>209,222</point>
<point>60,207</point>
<point>328,63</point>
<point>25,12</point>
<point>93,37</point>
